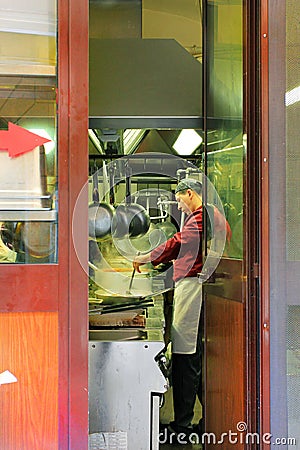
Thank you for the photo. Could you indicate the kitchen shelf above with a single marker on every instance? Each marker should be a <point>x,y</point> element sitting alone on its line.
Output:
<point>32,215</point>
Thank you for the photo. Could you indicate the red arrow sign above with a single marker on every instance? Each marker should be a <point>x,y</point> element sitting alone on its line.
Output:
<point>17,140</point>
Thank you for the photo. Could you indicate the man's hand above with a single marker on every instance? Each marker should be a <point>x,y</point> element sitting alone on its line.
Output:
<point>139,260</point>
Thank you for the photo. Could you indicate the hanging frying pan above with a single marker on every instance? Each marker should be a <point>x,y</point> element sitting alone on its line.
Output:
<point>131,219</point>
<point>100,214</point>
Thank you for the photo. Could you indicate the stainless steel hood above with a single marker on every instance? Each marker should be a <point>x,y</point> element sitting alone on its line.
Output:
<point>143,83</point>
<point>153,83</point>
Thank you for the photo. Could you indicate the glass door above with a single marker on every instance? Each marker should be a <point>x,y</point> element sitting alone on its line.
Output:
<point>224,162</point>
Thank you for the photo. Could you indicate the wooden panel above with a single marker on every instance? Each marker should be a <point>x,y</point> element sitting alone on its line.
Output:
<point>29,407</point>
<point>73,253</point>
<point>28,287</point>
<point>227,281</point>
<point>225,369</point>
<point>64,217</point>
<point>78,249</point>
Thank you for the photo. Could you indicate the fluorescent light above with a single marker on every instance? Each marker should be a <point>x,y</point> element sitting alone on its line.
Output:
<point>131,138</point>
<point>292,96</point>
<point>187,142</point>
<point>95,141</point>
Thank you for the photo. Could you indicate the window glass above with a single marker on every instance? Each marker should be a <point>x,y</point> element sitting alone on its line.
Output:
<point>28,154</point>
<point>226,144</point>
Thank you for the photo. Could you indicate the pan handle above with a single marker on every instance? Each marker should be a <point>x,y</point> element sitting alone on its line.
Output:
<point>111,185</point>
<point>92,266</point>
<point>96,197</point>
<point>128,173</point>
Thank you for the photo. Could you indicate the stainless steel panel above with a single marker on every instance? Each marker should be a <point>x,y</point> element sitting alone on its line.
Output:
<point>39,215</point>
<point>121,334</point>
<point>122,379</point>
<point>158,78</point>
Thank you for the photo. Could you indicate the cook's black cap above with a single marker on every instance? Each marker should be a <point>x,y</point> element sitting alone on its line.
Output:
<point>189,183</point>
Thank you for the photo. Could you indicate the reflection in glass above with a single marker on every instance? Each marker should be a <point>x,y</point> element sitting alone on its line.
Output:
<point>28,85</point>
<point>225,168</point>
<point>224,136</point>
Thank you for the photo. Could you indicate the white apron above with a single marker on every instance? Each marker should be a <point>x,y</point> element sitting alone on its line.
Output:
<point>186,315</point>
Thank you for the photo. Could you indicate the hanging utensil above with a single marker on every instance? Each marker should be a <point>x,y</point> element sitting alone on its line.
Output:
<point>131,219</point>
<point>95,194</point>
<point>132,277</point>
<point>112,184</point>
<point>105,183</point>
<point>100,214</point>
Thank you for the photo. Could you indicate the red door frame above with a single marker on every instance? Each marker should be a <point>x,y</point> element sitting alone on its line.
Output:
<point>73,162</point>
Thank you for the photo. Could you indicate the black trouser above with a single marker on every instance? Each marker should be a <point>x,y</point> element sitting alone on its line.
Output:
<point>187,383</point>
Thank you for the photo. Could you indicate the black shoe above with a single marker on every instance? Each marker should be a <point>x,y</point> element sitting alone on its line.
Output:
<point>198,428</point>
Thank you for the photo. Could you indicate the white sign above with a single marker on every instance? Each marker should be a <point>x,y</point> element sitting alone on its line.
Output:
<point>7,377</point>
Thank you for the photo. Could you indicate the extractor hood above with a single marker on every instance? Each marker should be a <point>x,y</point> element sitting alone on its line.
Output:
<point>154,83</point>
<point>143,83</point>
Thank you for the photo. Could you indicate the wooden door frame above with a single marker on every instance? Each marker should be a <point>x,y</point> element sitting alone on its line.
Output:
<point>264,319</point>
<point>73,66</point>
<point>257,313</point>
<point>258,221</point>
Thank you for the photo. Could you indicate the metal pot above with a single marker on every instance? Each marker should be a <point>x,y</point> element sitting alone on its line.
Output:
<point>100,219</point>
<point>130,220</point>
<point>39,238</point>
<point>100,214</point>
<point>116,284</point>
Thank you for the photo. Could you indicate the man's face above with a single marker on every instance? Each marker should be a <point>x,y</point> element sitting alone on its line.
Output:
<point>183,201</point>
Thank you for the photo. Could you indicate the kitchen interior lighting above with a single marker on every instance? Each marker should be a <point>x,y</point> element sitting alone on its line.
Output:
<point>94,139</point>
<point>187,142</point>
<point>131,138</point>
<point>292,96</point>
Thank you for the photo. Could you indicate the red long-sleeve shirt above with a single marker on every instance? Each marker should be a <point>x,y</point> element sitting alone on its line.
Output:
<point>185,248</point>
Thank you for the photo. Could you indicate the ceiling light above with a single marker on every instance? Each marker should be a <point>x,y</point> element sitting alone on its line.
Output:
<point>131,138</point>
<point>187,142</point>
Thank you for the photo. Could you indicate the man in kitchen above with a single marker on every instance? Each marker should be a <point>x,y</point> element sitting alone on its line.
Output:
<point>185,250</point>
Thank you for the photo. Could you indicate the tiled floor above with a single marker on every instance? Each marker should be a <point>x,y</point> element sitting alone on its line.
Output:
<point>166,416</point>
